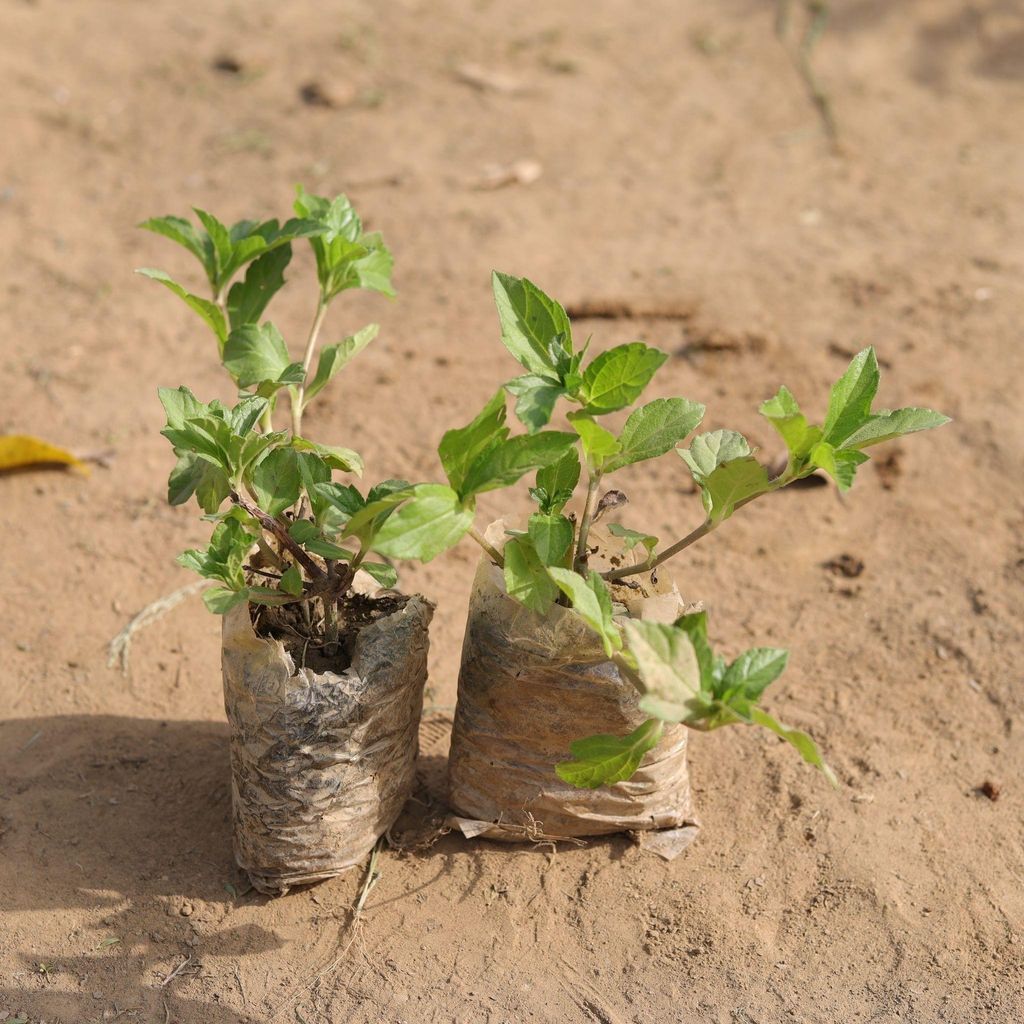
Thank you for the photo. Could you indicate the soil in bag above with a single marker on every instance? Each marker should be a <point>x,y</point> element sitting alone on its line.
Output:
<point>323,749</point>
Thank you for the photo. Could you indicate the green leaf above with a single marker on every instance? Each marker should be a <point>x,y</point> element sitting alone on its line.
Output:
<point>247,299</point>
<point>324,548</point>
<point>732,483</point>
<point>206,436</point>
<point>525,577</point>
<point>616,378</point>
<point>849,404</point>
<point>342,497</point>
<point>333,358</point>
<point>709,451</point>
<point>312,471</point>
<point>291,581</point>
<point>431,521</point>
<point>208,310</point>
<point>387,488</point>
<point>276,482</point>
<point>535,399</point>
<point>668,667</point>
<point>246,414</point>
<point>840,464</point>
<point>501,465</point>
<point>220,239</point>
<point>803,743</point>
<point>223,559</point>
<point>220,600</point>
<point>632,537</point>
<point>179,230</point>
<point>886,425</point>
<point>785,416</point>
<point>373,270</point>
<point>251,241</point>
<point>309,536</point>
<point>605,760</point>
<point>592,603</point>
<point>556,483</point>
<point>180,405</point>
<point>369,519</point>
<point>552,536</point>
<point>534,328</point>
<point>256,353</point>
<point>194,475</point>
<point>754,670</point>
<point>345,256</point>
<point>599,444</point>
<point>726,472</point>
<point>695,626</point>
<point>461,446</point>
<point>345,459</point>
<point>337,216</point>
<point>654,429</point>
<point>386,575</point>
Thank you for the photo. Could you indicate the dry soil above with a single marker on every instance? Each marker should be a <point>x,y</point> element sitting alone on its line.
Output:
<point>687,186</point>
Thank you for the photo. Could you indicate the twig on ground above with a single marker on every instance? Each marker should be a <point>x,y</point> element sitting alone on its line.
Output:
<point>177,970</point>
<point>119,649</point>
<point>626,309</point>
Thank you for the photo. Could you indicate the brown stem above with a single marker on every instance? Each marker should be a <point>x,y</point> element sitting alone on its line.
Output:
<point>652,563</point>
<point>262,572</point>
<point>280,531</point>
<point>704,529</point>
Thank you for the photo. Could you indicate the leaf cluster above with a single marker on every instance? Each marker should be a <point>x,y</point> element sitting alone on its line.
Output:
<point>547,562</point>
<point>681,679</point>
<point>284,530</point>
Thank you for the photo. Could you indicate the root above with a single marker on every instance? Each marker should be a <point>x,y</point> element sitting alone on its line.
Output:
<point>119,649</point>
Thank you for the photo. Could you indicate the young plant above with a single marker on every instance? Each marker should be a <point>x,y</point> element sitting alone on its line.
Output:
<point>672,666</point>
<point>284,531</point>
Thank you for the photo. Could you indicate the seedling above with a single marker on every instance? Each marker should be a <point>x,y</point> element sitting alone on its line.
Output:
<point>284,531</point>
<point>672,666</point>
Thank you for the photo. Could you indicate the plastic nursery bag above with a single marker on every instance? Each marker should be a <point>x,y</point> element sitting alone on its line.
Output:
<point>321,762</point>
<point>528,686</point>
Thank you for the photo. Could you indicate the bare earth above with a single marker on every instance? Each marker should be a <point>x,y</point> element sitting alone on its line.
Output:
<point>685,171</point>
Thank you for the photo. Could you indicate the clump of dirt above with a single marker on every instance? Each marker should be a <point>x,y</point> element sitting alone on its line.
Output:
<point>306,641</point>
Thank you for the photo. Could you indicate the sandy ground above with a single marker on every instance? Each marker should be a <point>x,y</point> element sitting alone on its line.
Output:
<point>683,166</point>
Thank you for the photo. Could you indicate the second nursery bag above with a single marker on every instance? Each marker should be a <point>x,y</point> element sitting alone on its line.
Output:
<point>527,686</point>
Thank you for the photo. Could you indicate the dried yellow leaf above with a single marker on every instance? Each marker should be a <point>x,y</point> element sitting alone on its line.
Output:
<point>19,450</point>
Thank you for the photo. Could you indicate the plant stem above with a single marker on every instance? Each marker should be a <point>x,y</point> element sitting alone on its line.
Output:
<point>705,528</point>
<point>593,480</point>
<point>652,563</point>
<point>299,399</point>
<point>330,603</point>
<point>280,531</point>
<point>492,551</point>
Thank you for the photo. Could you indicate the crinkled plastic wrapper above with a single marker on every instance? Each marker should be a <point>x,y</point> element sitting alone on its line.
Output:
<point>530,685</point>
<point>321,762</point>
